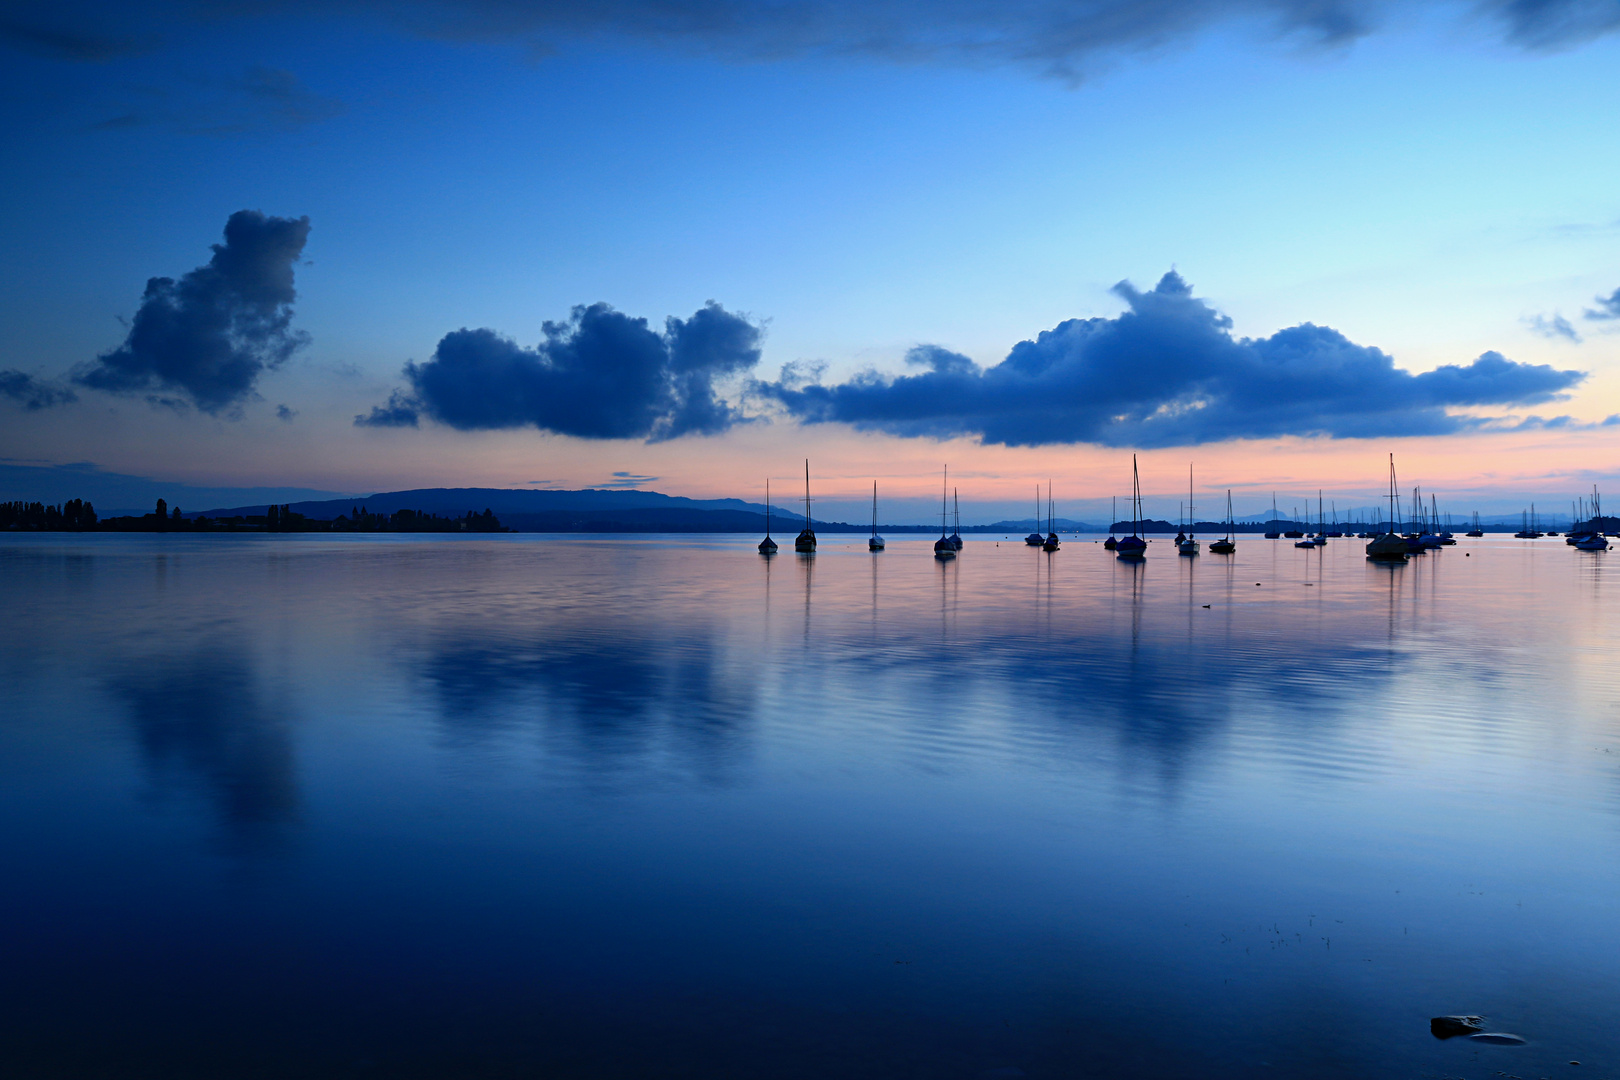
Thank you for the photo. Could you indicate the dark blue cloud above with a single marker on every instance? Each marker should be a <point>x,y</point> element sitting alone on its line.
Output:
<point>1168,372</point>
<point>32,392</point>
<point>205,340</point>
<point>77,35</point>
<point>600,375</point>
<point>1067,38</point>
<point>1554,24</point>
<point>1608,307</point>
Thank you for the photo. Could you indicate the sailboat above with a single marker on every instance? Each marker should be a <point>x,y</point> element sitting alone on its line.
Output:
<point>1318,540</point>
<point>1274,534</point>
<point>805,542</point>
<point>1051,542</point>
<point>1133,546</point>
<point>1225,546</point>
<point>1592,538</point>
<point>1476,531</point>
<point>876,542</point>
<point>1111,544</point>
<point>956,521</point>
<point>767,546</point>
<point>1188,545</point>
<point>1429,534</point>
<point>943,547</point>
<point>1390,547</point>
<point>1035,539</point>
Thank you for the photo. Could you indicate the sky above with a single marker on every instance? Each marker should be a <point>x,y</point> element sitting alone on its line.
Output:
<point>350,247</point>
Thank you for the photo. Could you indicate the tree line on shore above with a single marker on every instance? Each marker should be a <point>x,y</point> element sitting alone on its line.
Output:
<point>78,515</point>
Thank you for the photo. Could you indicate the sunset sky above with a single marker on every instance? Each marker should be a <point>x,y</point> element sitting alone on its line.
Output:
<point>687,245</point>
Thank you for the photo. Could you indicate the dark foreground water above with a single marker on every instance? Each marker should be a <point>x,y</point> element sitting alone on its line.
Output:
<point>656,807</point>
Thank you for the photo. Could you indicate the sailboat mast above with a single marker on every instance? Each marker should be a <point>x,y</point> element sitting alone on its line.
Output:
<point>1136,499</point>
<point>874,509</point>
<point>807,524</point>
<point>767,508</point>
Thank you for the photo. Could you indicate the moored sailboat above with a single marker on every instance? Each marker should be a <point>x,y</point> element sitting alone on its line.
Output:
<point>1188,545</point>
<point>1051,542</point>
<point>876,541</point>
<point>1133,546</point>
<point>1035,539</point>
<point>767,546</point>
<point>805,542</point>
<point>1391,546</point>
<point>943,547</point>
<point>1226,545</point>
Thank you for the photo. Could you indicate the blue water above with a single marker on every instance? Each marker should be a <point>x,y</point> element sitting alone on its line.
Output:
<point>657,807</point>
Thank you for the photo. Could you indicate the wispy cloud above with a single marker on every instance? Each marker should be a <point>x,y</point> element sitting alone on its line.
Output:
<point>46,30</point>
<point>1608,307</point>
<point>1065,38</point>
<point>627,480</point>
<point>1553,326</point>
<point>261,99</point>
<point>33,392</point>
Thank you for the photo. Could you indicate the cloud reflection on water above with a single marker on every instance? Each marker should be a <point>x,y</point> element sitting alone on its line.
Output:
<point>202,725</point>
<point>611,696</point>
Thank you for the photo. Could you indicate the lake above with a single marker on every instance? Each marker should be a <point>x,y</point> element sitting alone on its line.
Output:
<point>655,806</point>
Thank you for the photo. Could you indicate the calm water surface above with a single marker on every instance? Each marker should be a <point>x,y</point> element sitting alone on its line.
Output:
<point>656,807</point>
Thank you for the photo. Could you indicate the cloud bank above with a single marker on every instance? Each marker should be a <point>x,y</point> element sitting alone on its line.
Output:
<point>1062,37</point>
<point>205,340</point>
<point>600,375</point>
<point>1168,372</point>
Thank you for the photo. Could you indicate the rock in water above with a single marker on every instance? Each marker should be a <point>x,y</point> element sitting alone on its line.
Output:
<point>1444,1027</point>
<point>1497,1038</point>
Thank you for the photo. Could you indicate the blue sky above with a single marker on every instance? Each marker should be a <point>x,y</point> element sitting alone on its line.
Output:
<point>1428,189</point>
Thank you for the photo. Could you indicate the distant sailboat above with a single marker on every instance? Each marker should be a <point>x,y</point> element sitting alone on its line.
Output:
<point>1227,545</point>
<point>1035,539</point>
<point>1051,541</point>
<point>1476,531</point>
<point>767,546</point>
<point>1392,546</point>
<point>1273,535</point>
<point>876,542</point>
<point>1133,546</point>
<point>943,547</point>
<point>956,521</point>
<point>805,542</point>
<point>1318,540</point>
<point>1188,545</point>
<point>1111,544</point>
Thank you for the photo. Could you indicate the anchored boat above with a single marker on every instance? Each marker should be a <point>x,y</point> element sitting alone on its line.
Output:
<point>805,542</point>
<point>1133,546</point>
<point>767,546</point>
<point>876,542</point>
<point>1392,546</point>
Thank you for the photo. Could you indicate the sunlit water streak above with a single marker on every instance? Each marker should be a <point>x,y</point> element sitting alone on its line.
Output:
<point>657,806</point>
